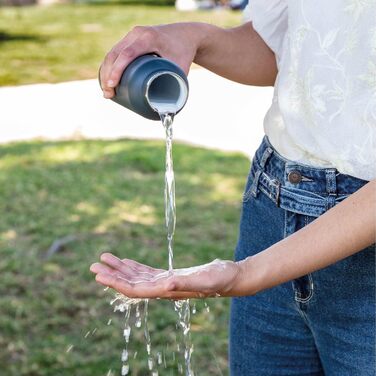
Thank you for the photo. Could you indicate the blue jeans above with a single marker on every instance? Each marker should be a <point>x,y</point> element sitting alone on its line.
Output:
<point>322,323</point>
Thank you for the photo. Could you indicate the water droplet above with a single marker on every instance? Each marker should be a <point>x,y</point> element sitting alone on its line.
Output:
<point>164,360</point>
<point>138,322</point>
<point>180,368</point>
<point>159,357</point>
<point>127,333</point>
<point>124,369</point>
<point>150,363</point>
<point>109,322</point>
<point>124,355</point>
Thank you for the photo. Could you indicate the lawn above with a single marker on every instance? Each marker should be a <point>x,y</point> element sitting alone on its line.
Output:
<point>110,195</point>
<point>68,42</point>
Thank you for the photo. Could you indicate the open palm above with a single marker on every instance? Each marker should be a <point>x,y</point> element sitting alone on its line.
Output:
<point>137,280</point>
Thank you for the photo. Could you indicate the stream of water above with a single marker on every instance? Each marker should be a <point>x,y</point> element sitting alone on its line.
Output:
<point>139,307</point>
<point>170,207</point>
<point>182,307</point>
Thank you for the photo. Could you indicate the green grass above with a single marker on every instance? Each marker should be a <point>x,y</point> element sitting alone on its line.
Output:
<point>68,42</point>
<point>111,192</point>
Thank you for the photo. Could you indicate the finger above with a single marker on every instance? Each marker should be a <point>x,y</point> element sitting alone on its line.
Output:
<point>111,280</point>
<point>96,267</point>
<point>105,69</point>
<point>131,289</point>
<point>127,55</point>
<point>137,266</point>
<point>107,86</point>
<point>127,266</point>
<point>108,61</point>
<point>138,42</point>
<point>128,274</point>
<point>108,93</point>
<point>128,288</point>
<point>103,269</point>
<point>115,263</point>
<point>100,268</point>
<point>144,290</point>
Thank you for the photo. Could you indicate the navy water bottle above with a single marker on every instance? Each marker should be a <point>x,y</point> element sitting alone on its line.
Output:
<point>151,85</point>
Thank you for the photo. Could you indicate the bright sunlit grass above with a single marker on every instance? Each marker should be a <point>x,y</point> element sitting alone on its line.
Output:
<point>68,42</point>
<point>111,194</point>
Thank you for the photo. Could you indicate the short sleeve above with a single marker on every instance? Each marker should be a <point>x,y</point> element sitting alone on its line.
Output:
<point>270,20</point>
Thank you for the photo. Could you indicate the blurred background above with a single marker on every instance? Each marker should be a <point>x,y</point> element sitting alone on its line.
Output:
<point>80,175</point>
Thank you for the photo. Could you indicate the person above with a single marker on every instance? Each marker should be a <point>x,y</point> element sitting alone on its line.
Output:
<point>303,279</point>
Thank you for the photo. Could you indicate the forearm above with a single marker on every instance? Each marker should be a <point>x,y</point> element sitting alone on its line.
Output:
<point>342,231</point>
<point>238,54</point>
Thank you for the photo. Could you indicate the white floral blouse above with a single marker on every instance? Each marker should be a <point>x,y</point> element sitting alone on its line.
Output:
<point>324,107</point>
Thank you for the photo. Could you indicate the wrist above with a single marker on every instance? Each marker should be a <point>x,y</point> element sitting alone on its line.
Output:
<point>249,278</point>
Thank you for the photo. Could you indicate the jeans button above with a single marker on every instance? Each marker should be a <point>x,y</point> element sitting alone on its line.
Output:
<point>294,177</point>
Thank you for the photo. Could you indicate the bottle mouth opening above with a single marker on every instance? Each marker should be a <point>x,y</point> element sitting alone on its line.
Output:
<point>166,92</point>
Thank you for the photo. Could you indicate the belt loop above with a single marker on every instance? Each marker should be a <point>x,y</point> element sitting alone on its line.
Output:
<point>331,187</point>
<point>264,159</point>
<point>278,193</point>
<point>255,183</point>
<point>331,183</point>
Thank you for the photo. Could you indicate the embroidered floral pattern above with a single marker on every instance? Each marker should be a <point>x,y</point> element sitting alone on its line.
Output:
<point>325,94</point>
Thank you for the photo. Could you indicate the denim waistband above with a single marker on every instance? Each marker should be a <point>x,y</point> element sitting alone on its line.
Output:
<point>297,187</point>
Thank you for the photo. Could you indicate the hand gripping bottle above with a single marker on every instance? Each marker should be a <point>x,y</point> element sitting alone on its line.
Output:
<point>151,85</point>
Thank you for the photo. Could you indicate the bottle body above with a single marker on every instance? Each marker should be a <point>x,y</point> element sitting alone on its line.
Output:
<point>151,85</point>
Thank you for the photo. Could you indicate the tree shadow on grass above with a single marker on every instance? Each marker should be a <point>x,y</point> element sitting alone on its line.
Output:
<point>14,37</point>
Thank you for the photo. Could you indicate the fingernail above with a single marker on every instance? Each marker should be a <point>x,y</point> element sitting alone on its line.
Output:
<point>106,256</point>
<point>93,267</point>
<point>110,83</point>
